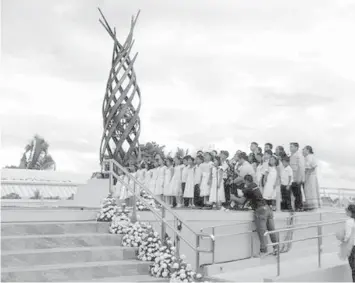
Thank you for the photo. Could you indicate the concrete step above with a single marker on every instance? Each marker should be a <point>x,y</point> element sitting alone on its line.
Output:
<point>46,228</point>
<point>31,242</point>
<point>75,271</point>
<point>135,278</point>
<point>66,255</point>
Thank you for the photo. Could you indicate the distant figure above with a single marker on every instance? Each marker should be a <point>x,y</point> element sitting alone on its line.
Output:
<point>297,165</point>
<point>286,176</point>
<point>311,187</point>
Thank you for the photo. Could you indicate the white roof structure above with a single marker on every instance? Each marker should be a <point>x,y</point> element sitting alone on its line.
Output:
<point>49,183</point>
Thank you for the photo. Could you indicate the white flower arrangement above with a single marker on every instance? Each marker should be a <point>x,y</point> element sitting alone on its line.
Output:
<point>108,209</point>
<point>163,261</point>
<point>135,234</point>
<point>141,206</point>
<point>120,224</point>
<point>149,248</point>
<point>182,272</point>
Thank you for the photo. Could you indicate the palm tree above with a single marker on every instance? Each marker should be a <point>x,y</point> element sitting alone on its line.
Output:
<point>149,150</point>
<point>36,155</point>
<point>47,163</point>
<point>180,152</point>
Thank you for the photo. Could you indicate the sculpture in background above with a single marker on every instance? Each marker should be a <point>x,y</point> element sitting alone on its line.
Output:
<point>122,102</point>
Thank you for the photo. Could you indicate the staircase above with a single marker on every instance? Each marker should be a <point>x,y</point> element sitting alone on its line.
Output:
<point>68,251</point>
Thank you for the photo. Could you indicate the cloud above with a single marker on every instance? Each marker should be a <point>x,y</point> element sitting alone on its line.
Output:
<point>224,73</point>
<point>299,100</point>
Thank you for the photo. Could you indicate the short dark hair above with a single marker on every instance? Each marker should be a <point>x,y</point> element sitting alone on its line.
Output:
<point>295,144</point>
<point>189,157</point>
<point>269,145</point>
<point>243,155</point>
<point>225,152</point>
<point>248,178</point>
<point>255,143</point>
<point>351,209</point>
<point>200,157</point>
<point>186,157</point>
<point>310,149</point>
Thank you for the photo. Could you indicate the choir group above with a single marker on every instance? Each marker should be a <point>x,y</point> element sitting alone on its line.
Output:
<point>210,178</point>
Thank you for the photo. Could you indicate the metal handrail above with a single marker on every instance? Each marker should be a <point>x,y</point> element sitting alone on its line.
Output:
<point>305,227</point>
<point>287,218</point>
<point>252,231</point>
<point>164,207</point>
<point>319,236</point>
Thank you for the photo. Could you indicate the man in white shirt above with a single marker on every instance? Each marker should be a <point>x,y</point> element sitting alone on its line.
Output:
<point>286,182</point>
<point>298,169</point>
<point>245,168</point>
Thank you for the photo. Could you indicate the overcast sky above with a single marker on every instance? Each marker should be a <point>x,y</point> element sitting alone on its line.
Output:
<point>220,72</point>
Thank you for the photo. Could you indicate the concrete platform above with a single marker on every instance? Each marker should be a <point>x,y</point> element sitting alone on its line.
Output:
<point>228,245</point>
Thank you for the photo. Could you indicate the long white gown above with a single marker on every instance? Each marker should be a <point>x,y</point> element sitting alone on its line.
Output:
<point>159,186</point>
<point>190,183</point>
<point>153,180</point>
<point>217,194</point>
<point>206,169</point>
<point>167,181</point>
<point>269,191</point>
<point>311,186</point>
<point>175,184</point>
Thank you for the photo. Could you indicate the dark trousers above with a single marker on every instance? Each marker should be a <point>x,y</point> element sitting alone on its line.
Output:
<point>296,190</point>
<point>227,190</point>
<point>264,221</point>
<point>198,201</point>
<point>286,198</point>
<point>352,263</point>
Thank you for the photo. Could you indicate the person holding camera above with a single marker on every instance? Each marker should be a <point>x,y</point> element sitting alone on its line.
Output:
<point>263,214</point>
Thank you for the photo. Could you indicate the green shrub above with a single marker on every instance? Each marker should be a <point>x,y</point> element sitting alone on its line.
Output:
<point>11,196</point>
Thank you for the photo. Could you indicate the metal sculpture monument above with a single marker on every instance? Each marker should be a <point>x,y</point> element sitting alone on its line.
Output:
<point>120,138</point>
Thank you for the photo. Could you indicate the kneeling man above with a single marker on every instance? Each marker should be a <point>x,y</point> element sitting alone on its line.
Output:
<point>263,214</point>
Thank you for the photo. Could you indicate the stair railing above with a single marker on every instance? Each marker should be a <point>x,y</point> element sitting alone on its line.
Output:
<point>289,224</point>
<point>319,226</point>
<point>113,167</point>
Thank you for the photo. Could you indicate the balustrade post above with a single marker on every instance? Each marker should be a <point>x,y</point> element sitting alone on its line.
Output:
<point>110,177</point>
<point>134,205</point>
<point>197,253</point>
<point>320,242</point>
<point>179,228</point>
<point>278,255</point>
<point>213,244</point>
<point>251,245</point>
<point>163,225</point>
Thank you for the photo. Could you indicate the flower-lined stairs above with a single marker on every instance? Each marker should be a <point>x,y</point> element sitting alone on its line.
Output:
<point>70,251</point>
